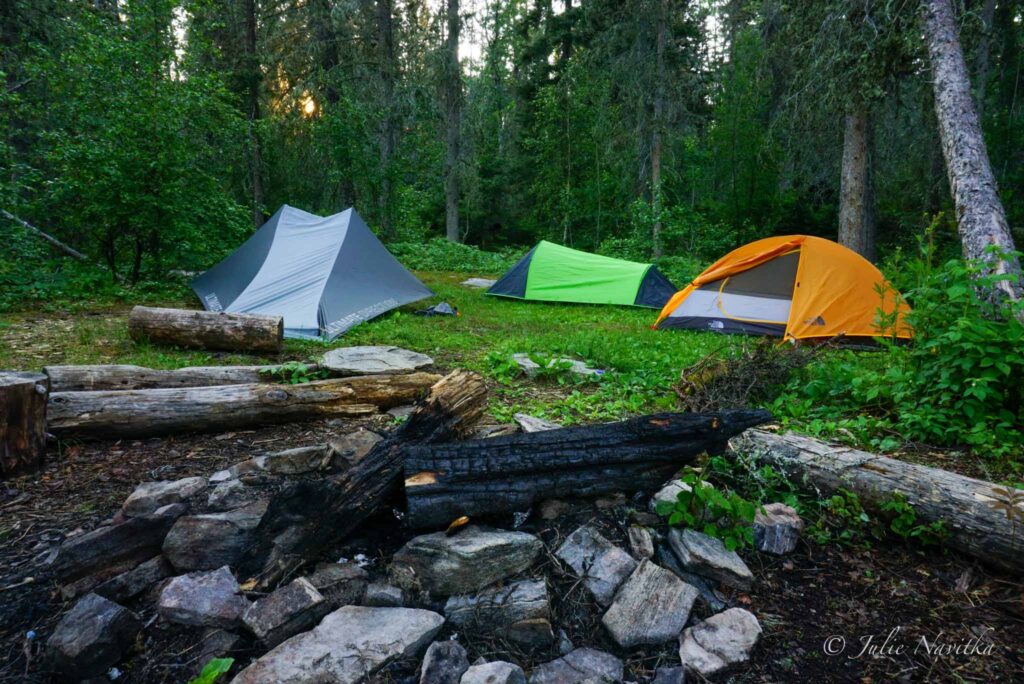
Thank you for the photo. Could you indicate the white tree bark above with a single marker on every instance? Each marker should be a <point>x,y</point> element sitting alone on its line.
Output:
<point>981,219</point>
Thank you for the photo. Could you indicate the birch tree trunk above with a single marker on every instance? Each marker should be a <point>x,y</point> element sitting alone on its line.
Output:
<point>856,193</point>
<point>981,219</point>
<point>453,117</point>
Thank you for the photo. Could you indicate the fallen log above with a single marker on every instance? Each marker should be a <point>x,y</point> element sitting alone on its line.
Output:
<point>511,473</point>
<point>22,422</point>
<point>311,515</point>
<point>147,413</point>
<point>124,377</point>
<point>984,520</point>
<point>207,329</point>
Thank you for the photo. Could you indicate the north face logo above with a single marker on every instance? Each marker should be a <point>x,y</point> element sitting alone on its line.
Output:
<point>716,325</point>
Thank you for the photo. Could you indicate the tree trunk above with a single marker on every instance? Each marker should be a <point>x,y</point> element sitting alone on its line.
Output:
<point>856,194</point>
<point>453,118</point>
<point>253,77</point>
<point>311,515</point>
<point>389,125</point>
<point>658,129</point>
<point>326,48</point>
<point>981,219</point>
<point>22,422</point>
<point>125,377</point>
<point>146,413</point>
<point>511,473</point>
<point>207,329</point>
<point>984,520</point>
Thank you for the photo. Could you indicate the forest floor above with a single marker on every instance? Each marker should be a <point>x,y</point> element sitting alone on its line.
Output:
<point>820,591</point>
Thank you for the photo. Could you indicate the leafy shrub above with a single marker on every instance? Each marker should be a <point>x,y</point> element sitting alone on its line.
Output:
<point>725,515</point>
<point>440,255</point>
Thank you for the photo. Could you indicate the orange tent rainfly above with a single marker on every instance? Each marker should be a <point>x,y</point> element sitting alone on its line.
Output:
<point>794,286</point>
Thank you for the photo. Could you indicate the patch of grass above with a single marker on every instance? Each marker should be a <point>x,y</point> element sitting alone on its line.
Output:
<point>642,362</point>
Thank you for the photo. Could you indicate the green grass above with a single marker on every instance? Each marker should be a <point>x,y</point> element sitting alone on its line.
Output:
<point>644,362</point>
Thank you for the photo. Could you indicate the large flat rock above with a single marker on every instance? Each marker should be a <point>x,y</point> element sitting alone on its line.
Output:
<point>651,607</point>
<point>720,643</point>
<point>373,360</point>
<point>600,564</point>
<point>707,556</point>
<point>497,672</point>
<point>348,646</point>
<point>444,663</point>
<point>287,611</point>
<point>464,562</point>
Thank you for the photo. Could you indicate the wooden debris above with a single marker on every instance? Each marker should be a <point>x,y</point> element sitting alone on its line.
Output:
<point>207,329</point>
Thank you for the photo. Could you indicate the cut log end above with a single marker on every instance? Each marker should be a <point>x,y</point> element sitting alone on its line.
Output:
<point>23,399</point>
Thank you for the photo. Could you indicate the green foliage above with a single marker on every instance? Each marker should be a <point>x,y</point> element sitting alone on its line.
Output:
<point>440,255</point>
<point>725,515</point>
<point>213,671</point>
<point>295,373</point>
<point>959,382</point>
<point>903,522</point>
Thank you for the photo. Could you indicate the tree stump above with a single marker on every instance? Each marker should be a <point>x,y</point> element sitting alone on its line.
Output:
<point>207,329</point>
<point>22,422</point>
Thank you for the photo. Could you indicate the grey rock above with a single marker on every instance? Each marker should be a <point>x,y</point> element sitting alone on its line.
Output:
<point>777,529</point>
<point>384,595</point>
<point>130,542</point>
<point>533,424</point>
<point>444,663</point>
<point>714,601</point>
<point>130,584</point>
<point>348,646</point>
<point>530,367</point>
<point>706,556</point>
<point>350,449</point>
<point>641,543</point>
<point>531,634</point>
<point>91,638</point>
<point>341,584</point>
<point>150,496</point>
<point>579,666</point>
<point>669,493</point>
<point>401,412</point>
<point>373,360</point>
<point>287,611</point>
<point>498,607</point>
<point>602,565</point>
<point>651,607</point>
<point>296,461</point>
<point>204,599</point>
<point>464,562</point>
<point>669,675</point>
<point>208,541</point>
<point>565,644</point>
<point>482,283</point>
<point>231,494</point>
<point>720,643</point>
<point>497,672</point>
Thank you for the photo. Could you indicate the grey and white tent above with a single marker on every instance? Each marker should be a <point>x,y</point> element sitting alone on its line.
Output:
<point>322,274</point>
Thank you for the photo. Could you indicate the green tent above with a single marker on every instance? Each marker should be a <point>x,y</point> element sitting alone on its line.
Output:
<point>553,273</point>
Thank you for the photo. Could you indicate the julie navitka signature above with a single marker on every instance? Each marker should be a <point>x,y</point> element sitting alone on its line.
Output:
<point>896,644</point>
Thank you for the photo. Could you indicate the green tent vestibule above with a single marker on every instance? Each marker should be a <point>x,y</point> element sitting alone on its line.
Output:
<point>553,273</point>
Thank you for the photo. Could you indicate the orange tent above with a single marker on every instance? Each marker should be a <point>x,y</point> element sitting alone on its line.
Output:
<point>794,286</point>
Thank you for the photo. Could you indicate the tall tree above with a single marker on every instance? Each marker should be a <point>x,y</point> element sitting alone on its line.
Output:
<point>253,78</point>
<point>981,220</point>
<point>453,120</point>
<point>856,188</point>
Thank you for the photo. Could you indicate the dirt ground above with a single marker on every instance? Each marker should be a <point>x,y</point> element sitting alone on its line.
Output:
<point>810,604</point>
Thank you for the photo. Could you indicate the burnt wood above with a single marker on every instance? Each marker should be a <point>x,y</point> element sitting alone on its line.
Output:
<point>511,473</point>
<point>22,422</point>
<point>309,516</point>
